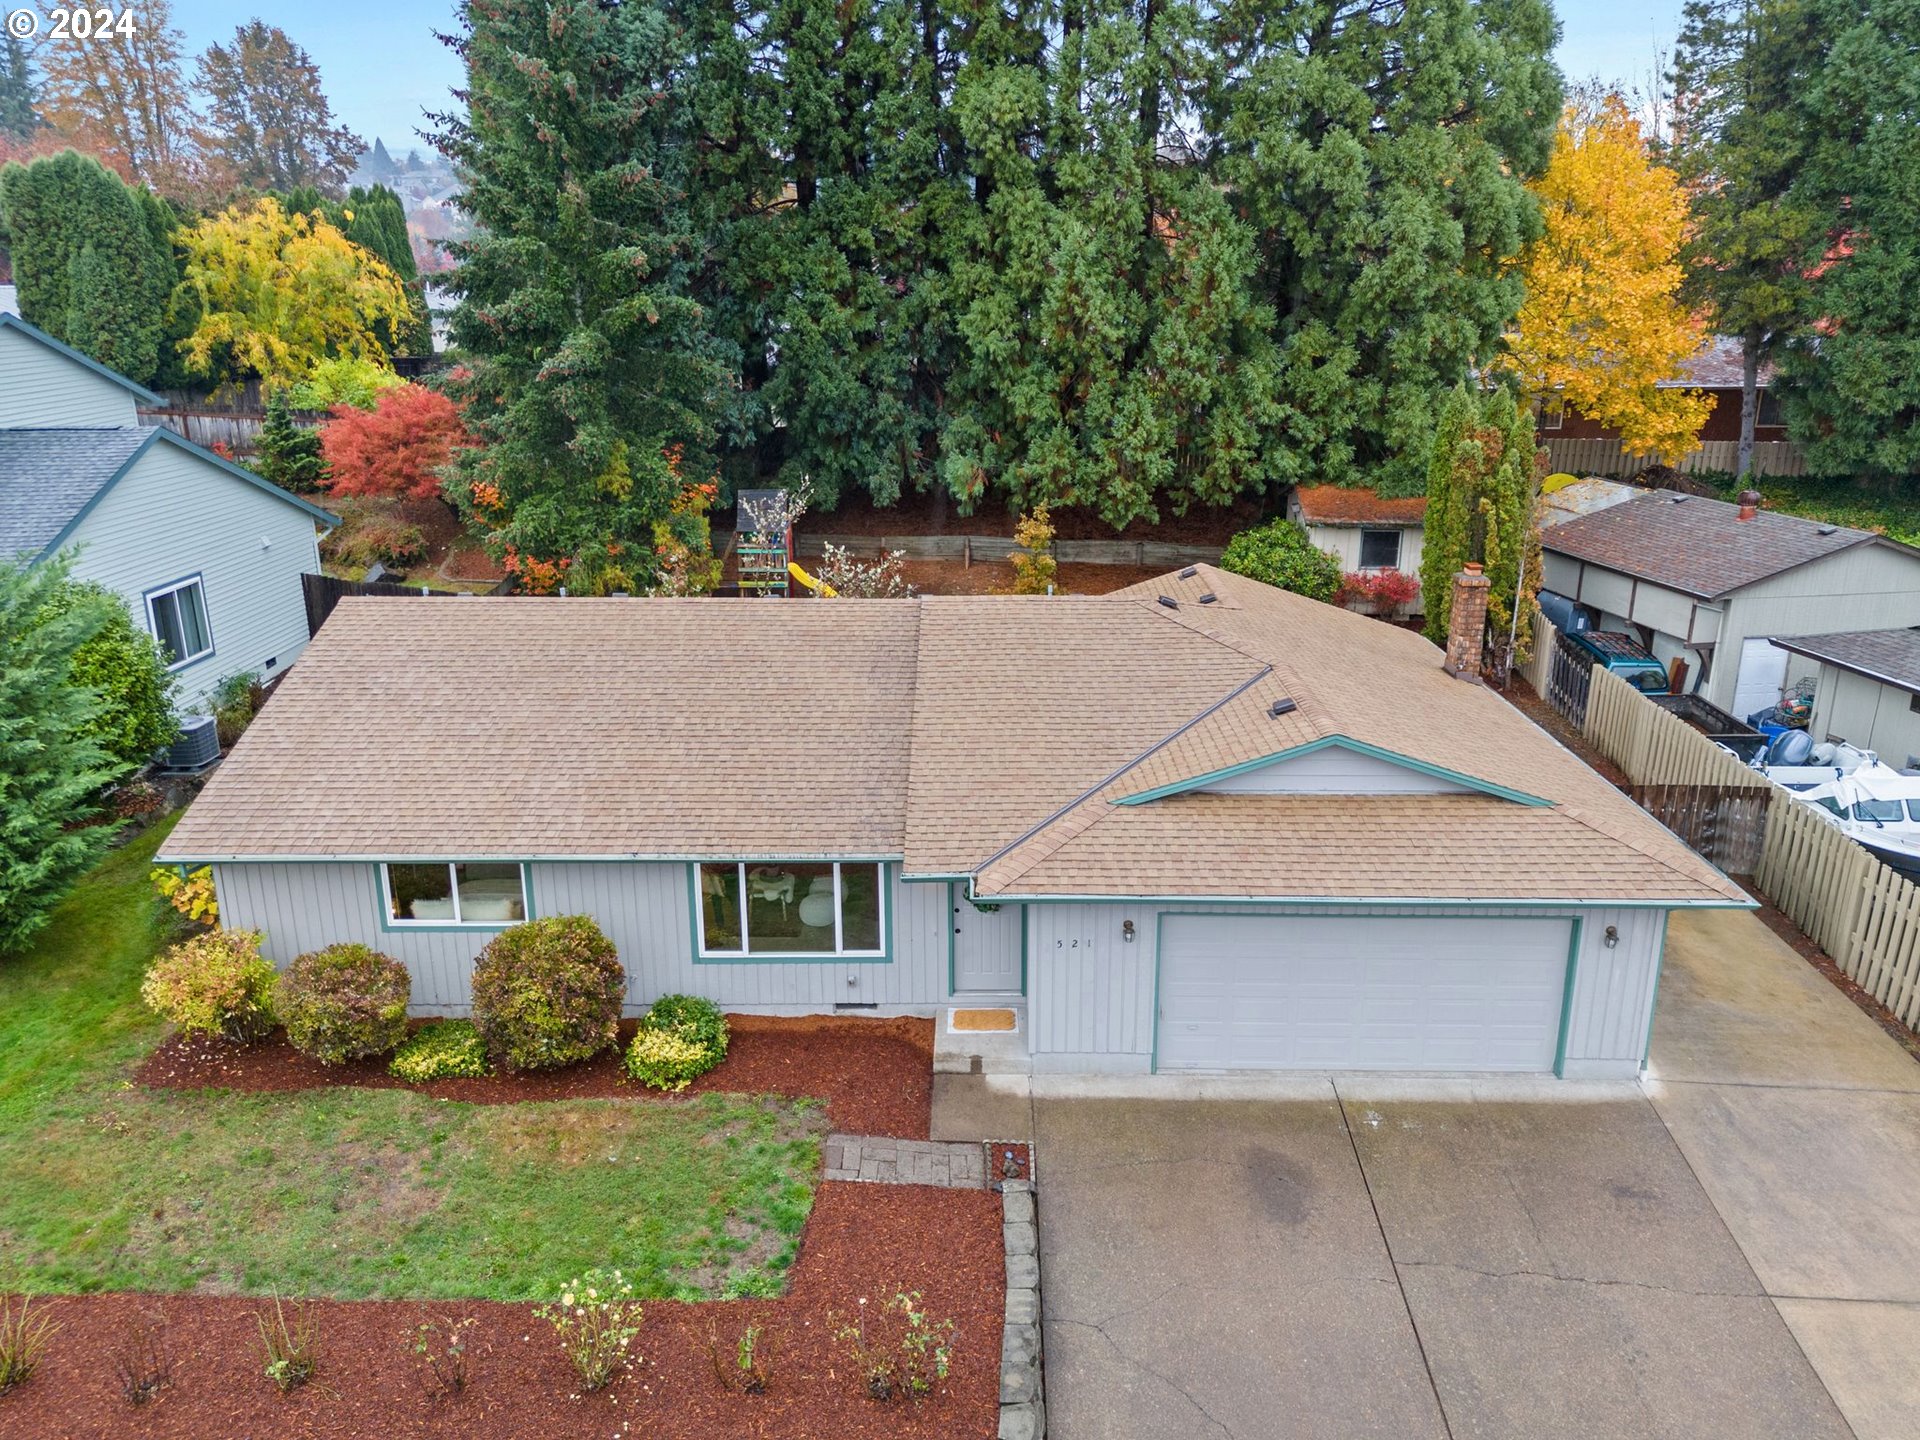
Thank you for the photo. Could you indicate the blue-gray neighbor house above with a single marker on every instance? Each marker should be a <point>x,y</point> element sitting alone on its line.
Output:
<point>207,555</point>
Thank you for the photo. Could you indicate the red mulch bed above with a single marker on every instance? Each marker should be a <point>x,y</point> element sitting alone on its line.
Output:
<point>1009,1161</point>
<point>875,1075</point>
<point>861,1240</point>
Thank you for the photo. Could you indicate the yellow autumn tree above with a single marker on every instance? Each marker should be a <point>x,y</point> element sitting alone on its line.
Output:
<point>1603,325</point>
<point>278,293</point>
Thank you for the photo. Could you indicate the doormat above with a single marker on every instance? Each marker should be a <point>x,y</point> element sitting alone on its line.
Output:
<point>981,1020</point>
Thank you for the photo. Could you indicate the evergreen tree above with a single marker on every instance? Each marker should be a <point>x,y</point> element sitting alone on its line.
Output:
<point>1851,384</point>
<point>52,761</point>
<point>373,218</point>
<point>1738,144</point>
<point>1483,482</point>
<point>379,164</point>
<point>588,360</point>
<point>288,453</point>
<point>1380,152</point>
<point>18,117</point>
<point>90,269</point>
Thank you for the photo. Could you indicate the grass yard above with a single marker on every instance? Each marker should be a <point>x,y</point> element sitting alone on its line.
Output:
<point>349,1193</point>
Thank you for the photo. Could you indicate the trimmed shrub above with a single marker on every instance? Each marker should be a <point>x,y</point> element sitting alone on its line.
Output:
<point>681,1038</point>
<point>344,1003</point>
<point>548,993</point>
<point>214,984</point>
<point>445,1050</point>
<point>1280,554</point>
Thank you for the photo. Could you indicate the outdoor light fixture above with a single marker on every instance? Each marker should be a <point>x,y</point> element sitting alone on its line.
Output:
<point>1612,937</point>
<point>1126,931</point>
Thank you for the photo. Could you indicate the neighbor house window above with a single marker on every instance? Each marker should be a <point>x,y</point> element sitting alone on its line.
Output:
<point>789,909</point>
<point>177,615</point>
<point>454,894</point>
<point>1379,549</point>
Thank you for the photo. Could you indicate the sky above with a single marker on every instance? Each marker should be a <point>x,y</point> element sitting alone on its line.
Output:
<point>382,67</point>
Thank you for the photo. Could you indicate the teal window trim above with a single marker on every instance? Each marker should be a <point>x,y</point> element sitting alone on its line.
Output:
<point>383,895</point>
<point>1342,742</point>
<point>883,956</point>
<point>1566,999</point>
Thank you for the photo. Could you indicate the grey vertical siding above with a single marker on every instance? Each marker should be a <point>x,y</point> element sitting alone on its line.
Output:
<point>642,907</point>
<point>41,389</point>
<point>174,515</point>
<point>1091,992</point>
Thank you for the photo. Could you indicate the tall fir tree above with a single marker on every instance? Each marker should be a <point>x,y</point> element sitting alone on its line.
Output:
<point>590,366</point>
<point>18,116</point>
<point>1851,382</point>
<point>373,218</point>
<point>1738,145</point>
<point>90,260</point>
<point>272,126</point>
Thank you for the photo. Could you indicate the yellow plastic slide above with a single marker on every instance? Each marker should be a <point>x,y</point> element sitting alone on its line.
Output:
<point>818,587</point>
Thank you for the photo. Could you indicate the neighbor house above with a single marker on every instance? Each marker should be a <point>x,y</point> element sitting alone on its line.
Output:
<point>1713,584</point>
<point>1866,690</point>
<point>1362,530</point>
<point>206,555</point>
<point>1199,824</point>
<point>1579,443</point>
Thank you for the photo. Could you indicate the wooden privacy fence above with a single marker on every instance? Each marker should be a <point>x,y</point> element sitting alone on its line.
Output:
<point>1861,912</point>
<point>1597,456</point>
<point>323,592</point>
<point>1569,677</point>
<point>1539,667</point>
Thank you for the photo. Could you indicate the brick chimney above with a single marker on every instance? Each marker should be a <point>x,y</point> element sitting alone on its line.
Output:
<point>1749,504</point>
<point>1466,630</point>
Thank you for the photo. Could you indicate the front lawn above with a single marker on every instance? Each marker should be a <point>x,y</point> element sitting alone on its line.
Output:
<point>346,1192</point>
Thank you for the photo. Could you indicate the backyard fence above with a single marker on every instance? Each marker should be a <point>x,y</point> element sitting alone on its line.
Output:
<point>1862,913</point>
<point>1569,677</point>
<point>1609,457</point>
<point>323,592</point>
<point>1538,671</point>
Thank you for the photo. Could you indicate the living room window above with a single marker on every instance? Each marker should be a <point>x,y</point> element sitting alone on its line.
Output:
<point>791,910</point>
<point>1379,549</point>
<point>177,616</point>
<point>458,893</point>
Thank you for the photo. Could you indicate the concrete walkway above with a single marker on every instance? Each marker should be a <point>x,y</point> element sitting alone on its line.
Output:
<point>1731,1251</point>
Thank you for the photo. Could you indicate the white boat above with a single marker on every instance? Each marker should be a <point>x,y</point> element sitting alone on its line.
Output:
<point>1877,806</point>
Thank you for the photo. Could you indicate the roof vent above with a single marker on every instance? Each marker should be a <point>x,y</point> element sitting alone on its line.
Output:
<point>1285,705</point>
<point>1208,598</point>
<point>1681,499</point>
<point>1169,602</point>
<point>1828,530</point>
<point>1189,572</point>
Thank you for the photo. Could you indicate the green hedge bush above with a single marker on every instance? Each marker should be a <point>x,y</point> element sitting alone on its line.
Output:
<point>444,1050</point>
<point>680,1039</point>
<point>1280,554</point>
<point>214,984</point>
<point>344,1003</point>
<point>548,993</point>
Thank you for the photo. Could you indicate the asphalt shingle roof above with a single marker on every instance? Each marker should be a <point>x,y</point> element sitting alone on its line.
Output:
<point>49,476</point>
<point>1889,655</point>
<point>1695,545</point>
<point>990,736</point>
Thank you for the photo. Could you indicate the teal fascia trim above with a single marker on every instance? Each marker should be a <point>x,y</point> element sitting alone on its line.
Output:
<point>1023,951</point>
<point>1398,902</point>
<point>410,927</point>
<point>1653,1005</point>
<point>1566,1000</point>
<point>34,332</point>
<point>953,908</point>
<point>1341,742</point>
<point>163,436</point>
<point>885,957</point>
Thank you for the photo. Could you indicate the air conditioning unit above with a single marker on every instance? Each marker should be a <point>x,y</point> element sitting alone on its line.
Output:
<point>197,747</point>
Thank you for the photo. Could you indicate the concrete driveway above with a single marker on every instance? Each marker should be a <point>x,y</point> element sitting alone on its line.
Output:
<point>1731,1250</point>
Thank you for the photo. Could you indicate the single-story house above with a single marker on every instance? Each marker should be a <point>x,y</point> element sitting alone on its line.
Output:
<point>207,555</point>
<point>1713,584</point>
<point>1199,824</point>
<point>1361,529</point>
<point>1715,371</point>
<point>1866,690</point>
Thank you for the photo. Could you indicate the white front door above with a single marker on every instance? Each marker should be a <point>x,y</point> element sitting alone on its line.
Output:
<point>1340,992</point>
<point>987,946</point>
<point>1762,676</point>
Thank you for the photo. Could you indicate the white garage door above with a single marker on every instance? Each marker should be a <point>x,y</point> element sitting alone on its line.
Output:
<point>1240,992</point>
<point>1761,678</point>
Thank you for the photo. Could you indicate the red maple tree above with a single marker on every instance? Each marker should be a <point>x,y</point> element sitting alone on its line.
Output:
<point>398,448</point>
